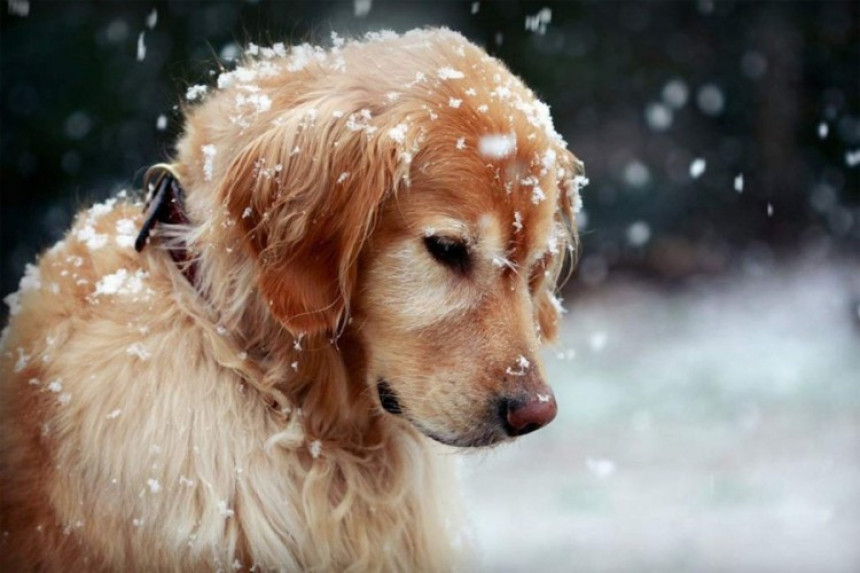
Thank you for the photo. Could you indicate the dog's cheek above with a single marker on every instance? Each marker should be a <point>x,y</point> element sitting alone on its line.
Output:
<point>408,292</point>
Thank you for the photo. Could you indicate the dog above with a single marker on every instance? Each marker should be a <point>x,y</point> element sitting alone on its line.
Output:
<point>352,257</point>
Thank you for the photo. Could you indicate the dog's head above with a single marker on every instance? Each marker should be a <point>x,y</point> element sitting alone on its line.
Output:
<point>411,193</point>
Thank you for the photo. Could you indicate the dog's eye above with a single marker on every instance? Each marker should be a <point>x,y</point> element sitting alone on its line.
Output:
<point>450,252</point>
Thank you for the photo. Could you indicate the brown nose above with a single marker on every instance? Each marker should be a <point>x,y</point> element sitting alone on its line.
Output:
<point>522,416</point>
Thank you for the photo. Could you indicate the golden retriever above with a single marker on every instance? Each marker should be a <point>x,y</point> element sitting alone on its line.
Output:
<point>364,264</point>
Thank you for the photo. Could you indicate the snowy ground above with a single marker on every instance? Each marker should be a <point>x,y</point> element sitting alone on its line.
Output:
<point>716,428</point>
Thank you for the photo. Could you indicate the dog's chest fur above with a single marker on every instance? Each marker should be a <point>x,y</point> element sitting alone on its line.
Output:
<point>155,454</point>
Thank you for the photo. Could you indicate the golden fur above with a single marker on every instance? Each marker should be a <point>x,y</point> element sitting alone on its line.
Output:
<point>151,425</point>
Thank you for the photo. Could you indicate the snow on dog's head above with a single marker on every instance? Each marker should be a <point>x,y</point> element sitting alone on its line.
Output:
<point>437,253</point>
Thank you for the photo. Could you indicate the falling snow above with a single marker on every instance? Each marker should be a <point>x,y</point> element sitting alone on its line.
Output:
<point>539,21</point>
<point>497,146</point>
<point>448,73</point>
<point>196,92</point>
<point>126,233</point>
<point>638,233</point>
<point>224,509</point>
<point>23,360</point>
<point>362,7</point>
<point>710,100</point>
<point>600,467</point>
<point>138,350</point>
<point>574,191</point>
<point>697,167</point>
<point>121,282</point>
<point>658,116</point>
<point>398,133</point>
<point>19,8</point>
<point>141,47</point>
<point>90,238</point>
<point>675,93</point>
<point>209,152</point>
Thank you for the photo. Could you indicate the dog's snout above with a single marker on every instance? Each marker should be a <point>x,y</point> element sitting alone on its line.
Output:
<point>523,415</point>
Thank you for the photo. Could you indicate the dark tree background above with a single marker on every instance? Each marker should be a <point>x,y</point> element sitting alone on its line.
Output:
<point>639,90</point>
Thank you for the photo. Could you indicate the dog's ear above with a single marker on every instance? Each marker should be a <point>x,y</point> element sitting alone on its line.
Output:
<point>548,307</point>
<point>548,315</point>
<point>305,195</point>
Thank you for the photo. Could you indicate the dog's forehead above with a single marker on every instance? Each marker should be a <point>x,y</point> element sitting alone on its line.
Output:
<point>508,205</point>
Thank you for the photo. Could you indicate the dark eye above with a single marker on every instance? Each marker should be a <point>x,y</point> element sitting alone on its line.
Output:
<point>450,252</point>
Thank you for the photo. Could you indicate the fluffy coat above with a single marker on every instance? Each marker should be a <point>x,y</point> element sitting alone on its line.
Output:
<point>151,424</point>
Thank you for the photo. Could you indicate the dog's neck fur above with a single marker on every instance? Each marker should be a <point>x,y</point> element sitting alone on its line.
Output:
<point>323,375</point>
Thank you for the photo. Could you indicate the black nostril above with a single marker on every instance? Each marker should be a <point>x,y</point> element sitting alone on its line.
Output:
<point>528,428</point>
<point>505,406</point>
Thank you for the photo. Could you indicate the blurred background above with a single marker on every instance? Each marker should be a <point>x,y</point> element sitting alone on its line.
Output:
<point>709,369</point>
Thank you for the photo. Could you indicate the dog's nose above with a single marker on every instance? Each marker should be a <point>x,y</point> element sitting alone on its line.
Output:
<point>522,416</point>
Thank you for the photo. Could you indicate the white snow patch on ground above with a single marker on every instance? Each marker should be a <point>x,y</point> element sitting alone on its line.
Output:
<point>731,414</point>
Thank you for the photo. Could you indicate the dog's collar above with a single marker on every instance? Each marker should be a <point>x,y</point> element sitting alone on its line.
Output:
<point>165,204</point>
